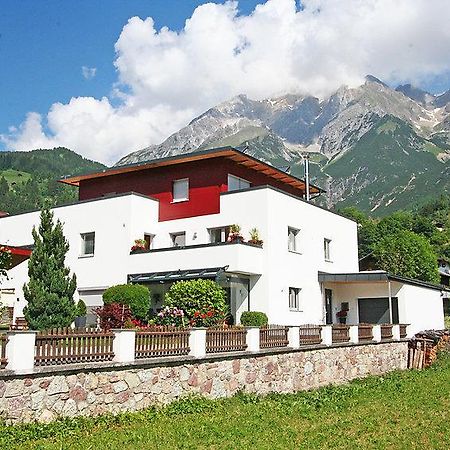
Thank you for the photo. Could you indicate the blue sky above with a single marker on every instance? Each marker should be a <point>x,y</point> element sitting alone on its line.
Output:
<point>80,74</point>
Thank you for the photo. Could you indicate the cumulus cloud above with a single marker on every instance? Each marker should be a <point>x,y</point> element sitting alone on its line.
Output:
<point>88,72</point>
<point>167,77</point>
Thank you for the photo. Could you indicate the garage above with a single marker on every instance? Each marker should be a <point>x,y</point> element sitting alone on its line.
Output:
<point>376,310</point>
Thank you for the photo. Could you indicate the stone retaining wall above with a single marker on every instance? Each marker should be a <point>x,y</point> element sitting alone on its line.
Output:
<point>44,395</point>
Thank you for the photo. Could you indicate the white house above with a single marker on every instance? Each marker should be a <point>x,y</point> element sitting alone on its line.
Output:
<point>306,271</point>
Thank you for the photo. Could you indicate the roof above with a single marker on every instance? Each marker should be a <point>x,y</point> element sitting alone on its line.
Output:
<point>176,275</point>
<point>375,275</point>
<point>224,152</point>
<point>3,214</point>
<point>23,250</point>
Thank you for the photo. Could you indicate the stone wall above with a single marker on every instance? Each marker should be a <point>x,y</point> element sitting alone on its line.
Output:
<point>52,392</point>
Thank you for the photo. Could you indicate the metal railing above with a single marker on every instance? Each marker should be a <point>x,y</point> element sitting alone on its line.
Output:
<point>271,336</point>
<point>161,341</point>
<point>225,339</point>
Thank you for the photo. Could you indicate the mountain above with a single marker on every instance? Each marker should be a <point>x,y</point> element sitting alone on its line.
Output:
<point>378,147</point>
<point>28,179</point>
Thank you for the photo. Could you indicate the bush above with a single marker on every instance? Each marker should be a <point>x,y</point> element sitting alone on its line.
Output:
<point>171,316</point>
<point>136,296</point>
<point>114,315</point>
<point>203,301</point>
<point>81,308</point>
<point>254,319</point>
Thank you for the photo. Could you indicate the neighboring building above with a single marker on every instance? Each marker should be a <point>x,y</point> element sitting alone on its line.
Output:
<point>183,207</point>
<point>444,273</point>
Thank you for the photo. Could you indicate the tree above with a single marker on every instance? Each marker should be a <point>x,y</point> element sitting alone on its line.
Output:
<point>5,262</point>
<point>407,254</point>
<point>136,296</point>
<point>49,291</point>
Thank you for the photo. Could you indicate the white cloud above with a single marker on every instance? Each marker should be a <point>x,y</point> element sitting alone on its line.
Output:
<point>165,78</point>
<point>88,72</point>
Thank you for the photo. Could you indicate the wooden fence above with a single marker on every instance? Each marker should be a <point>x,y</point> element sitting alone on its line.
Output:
<point>310,335</point>
<point>386,331</point>
<point>69,346</point>
<point>365,332</point>
<point>403,332</point>
<point>340,333</point>
<point>225,339</point>
<point>3,341</point>
<point>271,336</point>
<point>162,341</point>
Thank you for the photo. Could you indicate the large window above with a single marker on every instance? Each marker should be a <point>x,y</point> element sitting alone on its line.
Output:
<point>293,239</point>
<point>87,244</point>
<point>180,190</point>
<point>294,299</point>
<point>327,249</point>
<point>178,239</point>
<point>236,183</point>
<point>219,234</point>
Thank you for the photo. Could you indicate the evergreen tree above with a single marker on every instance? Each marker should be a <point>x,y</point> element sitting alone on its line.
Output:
<point>5,262</point>
<point>50,289</point>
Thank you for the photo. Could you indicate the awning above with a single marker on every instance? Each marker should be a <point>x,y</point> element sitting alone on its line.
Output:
<point>177,275</point>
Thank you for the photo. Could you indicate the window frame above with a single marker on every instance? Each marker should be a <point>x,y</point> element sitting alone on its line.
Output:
<point>151,240</point>
<point>83,253</point>
<point>184,199</point>
<point>295,307</point>
<point>296,240</point>
<point>327,249</point>
<point>174,235</point>
<point>223,234</point>
<point>239,179</point>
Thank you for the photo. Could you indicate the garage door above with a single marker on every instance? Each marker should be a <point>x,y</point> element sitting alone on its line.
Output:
<point>376,310</point>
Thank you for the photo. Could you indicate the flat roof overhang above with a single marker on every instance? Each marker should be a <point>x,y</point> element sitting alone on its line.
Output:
<point>225,152</point>
<point>375,276</point>
<point>177,275</point>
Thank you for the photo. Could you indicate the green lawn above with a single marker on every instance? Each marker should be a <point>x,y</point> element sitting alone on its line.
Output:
<point>404,410</point>
<point>15,176</point>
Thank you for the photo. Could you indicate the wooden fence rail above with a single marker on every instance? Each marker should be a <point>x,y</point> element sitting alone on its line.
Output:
<point>386,331</point>
<point>403,332</point>
<point>365,332</point>
<point>271,336</point>
<point>3,342</point>
<point>310,334</point>
<point>162,341</point>
<point>225,339</point>
<point>69,346</point>
<point>340,333</point>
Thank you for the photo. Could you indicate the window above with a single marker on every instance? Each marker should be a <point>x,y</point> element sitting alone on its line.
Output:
<point>236,183</point>
<point>294,299</point>
<point>178,239</point>
<point>180,190</point>
<point>148,238</point>
<point>293,239</point>
<point>326,249</point>
<point>87,244</point>
<point>218,234</point>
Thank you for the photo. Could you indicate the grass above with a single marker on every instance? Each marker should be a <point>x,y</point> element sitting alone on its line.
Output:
<point>15,176</point>
<point>402,410</point>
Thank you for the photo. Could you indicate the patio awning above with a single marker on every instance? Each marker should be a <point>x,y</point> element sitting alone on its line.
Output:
<point>373,276</point>
<point>177,275</point>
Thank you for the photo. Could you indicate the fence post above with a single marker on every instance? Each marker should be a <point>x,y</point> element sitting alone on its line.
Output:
<point>396,332</point>
<point>327,335</point>
<point>354,334</point>
<point>124,345</point>
<point>376,330</point>
<point>252,339</point>
<point>294,337</point>
<point>197,342</point>
<point>20,350</point>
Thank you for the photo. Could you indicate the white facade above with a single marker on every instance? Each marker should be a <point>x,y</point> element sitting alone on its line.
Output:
<point>270,271</point>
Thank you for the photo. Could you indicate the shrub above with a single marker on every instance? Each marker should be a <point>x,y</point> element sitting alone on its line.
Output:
<point>254,319</point>
<point>81,308</point>
<point>203,301</point>
<point>136,296</point>
<point>114,315</point>
<point>171,316</point>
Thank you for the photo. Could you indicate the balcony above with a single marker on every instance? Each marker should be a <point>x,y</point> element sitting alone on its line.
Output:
<point>242,258</point>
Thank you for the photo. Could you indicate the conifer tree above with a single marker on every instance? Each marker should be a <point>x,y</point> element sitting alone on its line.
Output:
<point>50,289</point>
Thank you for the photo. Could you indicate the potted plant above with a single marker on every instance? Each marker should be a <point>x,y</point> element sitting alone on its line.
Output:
<point>255,238</point>
<point>80,320</point>
<point>342,316</point>
<point>235,235</point>
<point>140,246</point>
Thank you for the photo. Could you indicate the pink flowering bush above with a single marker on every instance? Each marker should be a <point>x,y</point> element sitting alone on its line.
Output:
<point>171,315</point>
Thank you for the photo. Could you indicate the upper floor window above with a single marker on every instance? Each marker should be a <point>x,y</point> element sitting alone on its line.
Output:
<point>87,244</point>
<point>180,190</point>
<point>327,249</point>
<point>236,183</point>
<point>178,239</point>
<point>294,299</point>
<point>293,239</point>
<point>148,238</point>
<point>219,234</point>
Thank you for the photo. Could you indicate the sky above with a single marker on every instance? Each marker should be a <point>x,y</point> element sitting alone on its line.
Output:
<point>105,78</point>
